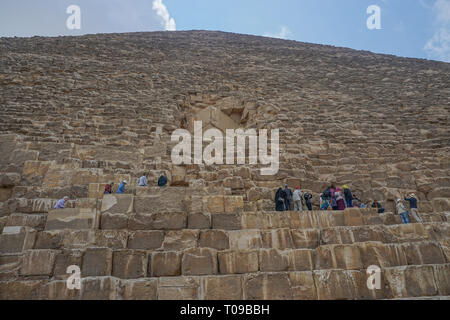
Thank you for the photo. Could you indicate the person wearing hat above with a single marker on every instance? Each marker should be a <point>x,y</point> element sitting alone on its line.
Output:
<point>412,199</point>
<point>122,187</point>
<point>60,204</point>
<point>348,197</point>
<point>402,211</point>
<point>297,197</point>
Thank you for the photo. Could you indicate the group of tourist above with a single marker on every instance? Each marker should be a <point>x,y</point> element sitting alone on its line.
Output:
<point>142,182</point>
<point>339,199</point>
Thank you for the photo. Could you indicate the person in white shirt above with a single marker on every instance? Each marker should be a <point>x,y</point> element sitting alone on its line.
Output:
<point>143,182</point>
<point>297,197</point>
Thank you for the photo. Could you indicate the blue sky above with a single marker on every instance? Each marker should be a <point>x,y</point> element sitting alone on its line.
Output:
<point>409,28</point>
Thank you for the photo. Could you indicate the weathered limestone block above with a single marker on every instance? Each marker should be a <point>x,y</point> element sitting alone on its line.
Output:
<point>9,180</point>
<point>302,285</point>
<point>337,235</point>
<point>78,238</point>
<point>112,239</point>
<point>214,204</point>
<point>72,218</point>
<point>371,233</point>
<point>35,221</point>
<point>17,239</point>
<point>58,290</point>
<point>233,183</point>
<point>179,288</point>
<point>38,262</point>
<point>277,238</point>
<point>100,288</point>
<point>238,261</point>
<point>129,264</point>
<point>165,264</point>
<point>382,255</point>
<point>110,221</point>
<point>146,240</point>
<point>216,239</point>
<point>140,289</point>
<point>21,290</point>
<point>334,284</point>
<point>441,204</point>
<point>158,200</point>
<point>34,205</point>
<point>180,239</point>
<point>419,253</point>
<point>305,239</point>
<point>222,287</point>
<point>445,246</point>
<point>96,190</point>
<point>199,221</point>
<point>233,204</point>
<point>255,194</point>
<point>252,220</point>
<point>199,261</point>
<point>273,260</point>
<point>117,203</point>
<point>267,286</point>
<point>226,221</point>
<point>49,239</point>
<point>302,220</point>
<point>324,257</point>
<point>274,220</point>
<point>441,276</point>
<point>158,221</point>
<point>411,281</point>
<point>408,232</point>
<point>64,259</point>
<point>347,257</point>
<point>97,262</point>
<point>301,260</point>
<point>245,239</point>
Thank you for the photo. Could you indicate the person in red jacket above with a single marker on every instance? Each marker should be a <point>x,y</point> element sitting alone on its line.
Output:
<point>108,188</point>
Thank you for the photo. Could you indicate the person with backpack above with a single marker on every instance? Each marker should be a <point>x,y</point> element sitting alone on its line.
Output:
<point>412,199</point>
<point>308,197</point>
<point>402,211</point>
<point>348,197</point>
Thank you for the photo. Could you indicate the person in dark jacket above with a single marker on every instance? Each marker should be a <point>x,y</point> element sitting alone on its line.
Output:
<point>162,181</point>
<point>412,199</point>
<point>109,188</point>
<point>308,197</point>
<point>377,205</point>
<point>280,196</point>
<point>348,197</point>
<point>288,199</point>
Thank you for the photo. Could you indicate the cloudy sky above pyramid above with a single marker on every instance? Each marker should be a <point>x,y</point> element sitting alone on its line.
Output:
<point>412,28</point>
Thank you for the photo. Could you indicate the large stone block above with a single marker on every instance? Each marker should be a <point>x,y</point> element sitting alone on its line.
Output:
<point>214,204</point>
<point>334,284</point>
<point>423,253</point>
<point>141,289</point>
<point>305,239</point>
<point>233,204</point>
<point>199,261</point>
<point>226,221</point>
<point>112,239</point>
<point>129,264</point>
<point>411,281</point>
<point>146,240</point>
<point>199,221</point>
<point>35,221</point>
<point>64,259</point>
<point>166,264</point>
<point>158,221</point>
<point>100,288</point>
<point>161,200</point>
<point>277,238</point>
<point>382,255</point>
<point>238,261</point>
<point>273,260</point>
<point>245,239</point>
<point>58,290</point>
<point>110,221</point>
<point>347,257</point>
<point>180,240</point>
<point>117,203</point>
<point>441,276</point>
<point>267,286</point>
<point>222,288</point>
<point>179,288</point>
<point>301,260</point>
<point>38,262</point>
<point>72,218</point>
<point>21,290</point>
<point>97,262</point>
<point>16,239</point>
<point>216,239</point>
<point>302,285</point>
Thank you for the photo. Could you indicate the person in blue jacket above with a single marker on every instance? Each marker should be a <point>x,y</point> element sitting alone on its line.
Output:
<point>412,199</point>
<point>122,187</point>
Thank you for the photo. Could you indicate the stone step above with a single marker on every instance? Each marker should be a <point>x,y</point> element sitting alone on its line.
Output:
<point>430,281</point>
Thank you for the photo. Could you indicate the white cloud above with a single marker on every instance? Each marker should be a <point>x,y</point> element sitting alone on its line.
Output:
<point>163,13</point>
<point>438,47</point>
<point>283,34</point>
